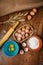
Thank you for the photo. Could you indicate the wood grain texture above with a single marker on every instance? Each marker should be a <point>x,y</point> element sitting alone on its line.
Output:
<point>9,6</point>
<point>28,58</point>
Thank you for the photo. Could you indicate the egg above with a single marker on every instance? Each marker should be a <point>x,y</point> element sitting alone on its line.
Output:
<point>23,29</point>
<point>24,44</point>
<point>16,34</point>
<point>23,36</point>
<point>29,17</point>
<point>26,49</point>
<point>34,10</point>
<point>32,13</point>
<point>30,31</point>
<point>27,27</point>
<point>19,31</point>
<point>11,45</point>
<point>27,31</point>
<point>18,38</point>
<point>23,33</point>
<point>26,35</point>
<point>12,49</point>
<point>19,35</point>
<point>21,52</point>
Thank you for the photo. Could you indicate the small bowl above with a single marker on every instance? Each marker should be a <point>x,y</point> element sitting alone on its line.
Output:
<point>11,48</point>
<point>35,49</point>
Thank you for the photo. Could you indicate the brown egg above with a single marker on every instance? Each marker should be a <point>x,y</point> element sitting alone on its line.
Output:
<point>26,35</point>
<point>23,37</point>
<point>27,27</point>
<point>19,35</point>
<point>19,31</point>
<point>23,33</point>
<point>29,17</point>
<point>18,38</point>
<point>27,31</point>
<point>23,29</point>
<point>16,34</point>
<point>30,31</point>
<point>35,10</point>
<point>32,13</point>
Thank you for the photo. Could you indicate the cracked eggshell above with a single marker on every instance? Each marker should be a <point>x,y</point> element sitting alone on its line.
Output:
<point>21,52</point>
<point>26,49</point>
<point>24,44</point>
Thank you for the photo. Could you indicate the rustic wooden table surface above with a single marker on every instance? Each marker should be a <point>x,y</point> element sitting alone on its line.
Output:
<point>28,58</point>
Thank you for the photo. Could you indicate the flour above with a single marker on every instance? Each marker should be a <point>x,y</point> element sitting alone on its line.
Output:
<point>33,43</point>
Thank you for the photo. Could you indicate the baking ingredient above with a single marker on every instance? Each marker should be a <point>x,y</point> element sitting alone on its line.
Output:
<point>23,33</point>
<point>21,52</point>
<point>23,29</point>
<point>33,43</point>
<point>16,34</point>
<point>32,13</point>
<point>27,31</point>
<point>18,38</point>
<point>26,49</point>
<point>26,35</point>
<point>24,44</point>
<point>19,31</point>
<point>19,35</point>
<point>34,10</point>
<point>27,27</point>
<point>29,17</point>
<point>23,37</point>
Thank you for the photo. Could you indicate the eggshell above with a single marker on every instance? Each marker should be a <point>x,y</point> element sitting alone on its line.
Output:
<point>21,52</point>
<point>26,35</point>
<point>27,27</point>
<point>23,37</point>
<point>29,17</point>
<point>19,35</point>
<point>30,31</point>
<point>22,32</point>
<point>24,44</point>
<point>19,31</point>
<point>18,38</point>
<point>32,13</point>
<point>16,34</point>
<point>27,31</point>
<point>35,10</point>
<point>26,49</point>
<point>23,29</point>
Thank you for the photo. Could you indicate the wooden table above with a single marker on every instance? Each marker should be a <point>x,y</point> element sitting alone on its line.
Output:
<point>28,58</point>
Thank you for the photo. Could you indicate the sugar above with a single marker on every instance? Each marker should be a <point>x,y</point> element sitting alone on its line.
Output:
<point>33,43</point>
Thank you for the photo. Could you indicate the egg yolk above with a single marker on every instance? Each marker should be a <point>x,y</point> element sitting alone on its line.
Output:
<point>11,48</point>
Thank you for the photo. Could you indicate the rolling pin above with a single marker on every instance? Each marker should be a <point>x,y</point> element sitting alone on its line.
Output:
<point>7,35</point>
